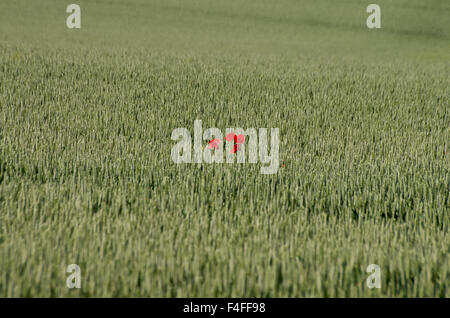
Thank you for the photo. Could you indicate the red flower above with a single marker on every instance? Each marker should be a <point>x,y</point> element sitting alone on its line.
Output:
<point>238,140</point>
<point>214,144</point>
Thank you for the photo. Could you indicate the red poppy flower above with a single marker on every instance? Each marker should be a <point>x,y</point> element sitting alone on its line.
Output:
<point>238,140</point>
<point>214,144</point>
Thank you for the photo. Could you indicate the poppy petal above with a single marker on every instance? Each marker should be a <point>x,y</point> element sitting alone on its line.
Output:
<point>240,139</point>
<point>230,137</point>
<point>235,148</point>
<point>213,144</point>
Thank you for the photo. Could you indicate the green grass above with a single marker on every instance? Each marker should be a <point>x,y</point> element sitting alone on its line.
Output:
<point>86,175</point>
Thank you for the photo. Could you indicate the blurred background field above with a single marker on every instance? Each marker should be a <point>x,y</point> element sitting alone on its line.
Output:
<point>86,175</point>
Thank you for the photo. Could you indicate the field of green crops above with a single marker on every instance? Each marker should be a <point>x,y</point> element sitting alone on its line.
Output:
<point>86,176</point>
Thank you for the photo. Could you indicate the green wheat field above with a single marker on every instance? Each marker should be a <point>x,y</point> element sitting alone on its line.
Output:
<point>86,176</point>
